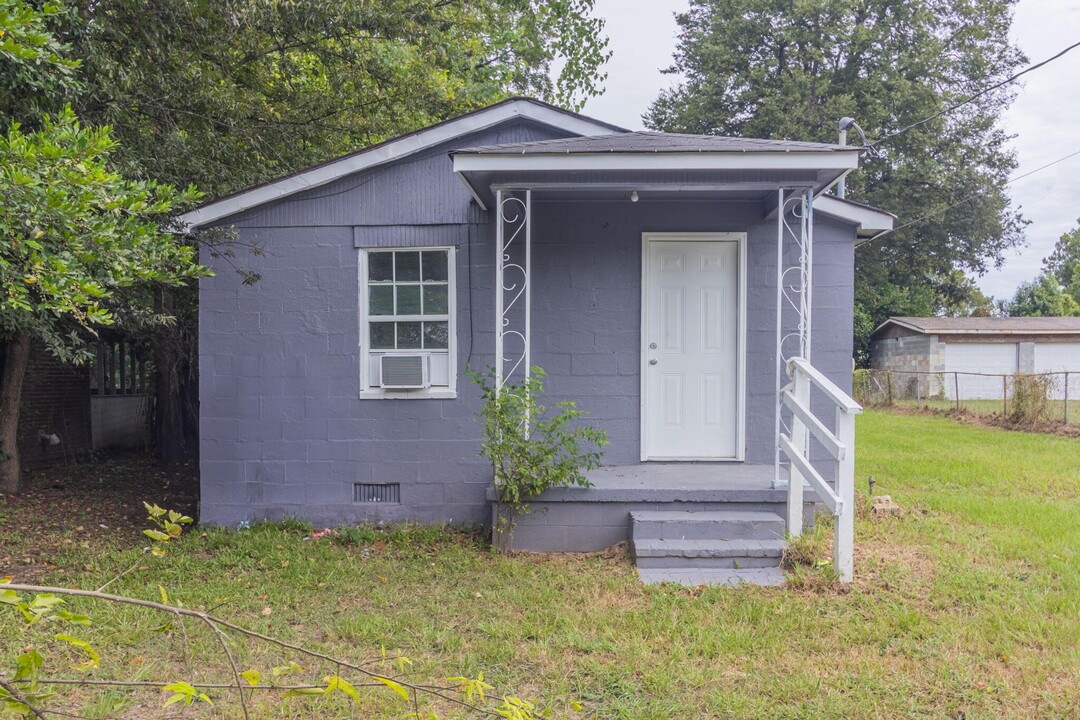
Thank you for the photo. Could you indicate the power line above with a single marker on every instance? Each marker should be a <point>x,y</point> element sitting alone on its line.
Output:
<point>969,197</point>
<point>977,95</point>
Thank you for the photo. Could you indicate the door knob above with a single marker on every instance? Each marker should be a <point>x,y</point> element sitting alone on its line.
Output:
<point>652,346</point>
<point>653,361</point>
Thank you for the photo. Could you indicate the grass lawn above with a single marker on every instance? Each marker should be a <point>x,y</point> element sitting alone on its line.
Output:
<point>967,606</point>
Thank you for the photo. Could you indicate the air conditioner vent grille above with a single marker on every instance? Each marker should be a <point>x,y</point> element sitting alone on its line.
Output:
<point>404,371</point>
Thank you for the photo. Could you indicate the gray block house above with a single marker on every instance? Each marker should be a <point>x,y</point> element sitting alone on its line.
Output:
<point>693,294</point>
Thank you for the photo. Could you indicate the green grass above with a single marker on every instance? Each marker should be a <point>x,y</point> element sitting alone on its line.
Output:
<point>967,606</point>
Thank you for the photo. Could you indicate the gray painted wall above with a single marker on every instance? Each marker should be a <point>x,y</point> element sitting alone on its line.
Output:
<point>283,432</point>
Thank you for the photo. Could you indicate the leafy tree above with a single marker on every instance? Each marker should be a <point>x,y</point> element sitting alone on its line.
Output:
<point>789,69</point>
<point>1042,297</point>
<point>36,72</point>
<point>1064,263</point>
<point>75,234</point>
<point>225,94</point>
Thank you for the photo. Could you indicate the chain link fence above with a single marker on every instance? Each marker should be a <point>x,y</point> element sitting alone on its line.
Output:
<point>1020,399</point>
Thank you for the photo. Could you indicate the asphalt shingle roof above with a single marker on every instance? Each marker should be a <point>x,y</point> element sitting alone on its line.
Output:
<point>990,325</point>
<point>650,142</point>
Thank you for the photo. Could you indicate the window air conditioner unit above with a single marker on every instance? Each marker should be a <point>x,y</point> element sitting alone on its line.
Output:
<point>404,372</point>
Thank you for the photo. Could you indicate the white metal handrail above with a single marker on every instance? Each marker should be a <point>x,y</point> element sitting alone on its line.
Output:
<point>840,445</point>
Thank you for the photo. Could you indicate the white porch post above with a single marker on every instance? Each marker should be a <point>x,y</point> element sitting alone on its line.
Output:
<point>844,555</point>
<point>513,291</point>
<point>499,233</point>
<point>777,481</point>
<point>799,438</point>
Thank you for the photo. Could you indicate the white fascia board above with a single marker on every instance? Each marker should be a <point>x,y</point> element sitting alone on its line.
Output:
<point>837,160</point>
<point>866,218</point>
<point>899,323</point>
<point>390,151</point>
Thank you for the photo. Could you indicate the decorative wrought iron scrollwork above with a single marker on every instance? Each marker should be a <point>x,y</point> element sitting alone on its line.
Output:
<point>794,277</point>
<point>512,324</point>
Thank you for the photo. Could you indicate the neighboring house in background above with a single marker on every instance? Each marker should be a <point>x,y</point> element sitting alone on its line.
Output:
<point>970,355</point>
<point>639,269</point>
<point>69,411</point>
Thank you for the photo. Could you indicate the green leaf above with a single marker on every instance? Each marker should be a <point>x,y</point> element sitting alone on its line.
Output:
<point>156,535</point>
<point>92,660</point>
<point>252,676</point>
<point>27,665</point>
<point>333,682</point>
<point>9,597</point>
<point>280,670</point>
<point>304,692</point>
<point>164,595</point>
<point>73,618</point>
<point>395,686</point>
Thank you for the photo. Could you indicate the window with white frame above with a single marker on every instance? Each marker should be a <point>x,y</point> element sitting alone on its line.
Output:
<point>407,322</point>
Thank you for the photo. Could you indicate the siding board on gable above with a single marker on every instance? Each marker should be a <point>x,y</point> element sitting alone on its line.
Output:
<point>418,190</point>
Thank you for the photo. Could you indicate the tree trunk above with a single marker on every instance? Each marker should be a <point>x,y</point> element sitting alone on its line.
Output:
<point>16,356</point>
<point>171,440</point>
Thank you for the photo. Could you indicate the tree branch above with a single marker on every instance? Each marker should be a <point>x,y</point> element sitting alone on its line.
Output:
<point>211,620</point>
<point>19,698</point>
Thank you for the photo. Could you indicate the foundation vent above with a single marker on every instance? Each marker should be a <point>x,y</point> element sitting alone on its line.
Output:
<point>377,493</point>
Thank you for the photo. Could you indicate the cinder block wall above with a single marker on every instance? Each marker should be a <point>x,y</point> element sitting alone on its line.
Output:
<point>283,431</point>
<point>911,353</point>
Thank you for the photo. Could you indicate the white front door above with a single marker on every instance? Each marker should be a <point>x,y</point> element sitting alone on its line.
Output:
<point>691,405</point>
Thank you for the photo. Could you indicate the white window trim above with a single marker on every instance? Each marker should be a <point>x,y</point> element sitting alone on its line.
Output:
<point>367,392</point>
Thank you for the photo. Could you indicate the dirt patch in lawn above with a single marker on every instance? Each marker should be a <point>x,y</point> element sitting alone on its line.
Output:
<point>98,504</point>
<point>993,420</point>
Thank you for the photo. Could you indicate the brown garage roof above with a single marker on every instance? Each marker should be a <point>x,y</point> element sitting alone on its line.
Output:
<point>987,325</point>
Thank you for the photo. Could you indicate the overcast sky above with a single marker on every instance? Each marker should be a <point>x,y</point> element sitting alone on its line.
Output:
<point>1044,116</point>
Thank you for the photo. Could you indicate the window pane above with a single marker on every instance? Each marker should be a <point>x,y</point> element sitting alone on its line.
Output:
<point>380,266</point>
<point>408,266</point>
<point>382,335</point>
<point>408,335</point>
<point>408,299</point>
<point>435,297</point>
<point>435,265</point>
<point>436,335</point>
<point>381,300</point>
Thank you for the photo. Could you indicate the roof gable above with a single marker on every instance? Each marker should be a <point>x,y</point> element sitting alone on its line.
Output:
<point>395,149</point>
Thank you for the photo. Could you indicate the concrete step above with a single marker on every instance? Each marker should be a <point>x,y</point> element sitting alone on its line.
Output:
<point>707,553</point>
<point>692,577</point>
<point>723,524</point>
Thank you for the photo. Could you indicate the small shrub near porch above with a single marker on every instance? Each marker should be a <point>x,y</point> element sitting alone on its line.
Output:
<point>532,446</point>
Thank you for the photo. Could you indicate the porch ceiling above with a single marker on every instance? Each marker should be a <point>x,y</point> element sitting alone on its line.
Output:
<point>614,185</point>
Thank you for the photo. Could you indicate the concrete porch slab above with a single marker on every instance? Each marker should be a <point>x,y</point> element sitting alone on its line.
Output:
<point>674,482</point>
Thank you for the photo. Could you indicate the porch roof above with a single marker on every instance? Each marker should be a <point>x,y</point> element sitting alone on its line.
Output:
<point>661,164</point>
<point>654,142</point>
<point>654,165</point>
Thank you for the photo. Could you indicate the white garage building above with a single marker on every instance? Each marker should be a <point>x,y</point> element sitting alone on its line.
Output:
<point>940,355</point>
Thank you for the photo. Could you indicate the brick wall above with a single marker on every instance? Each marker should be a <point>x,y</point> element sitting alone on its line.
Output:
<point>56,400</point>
